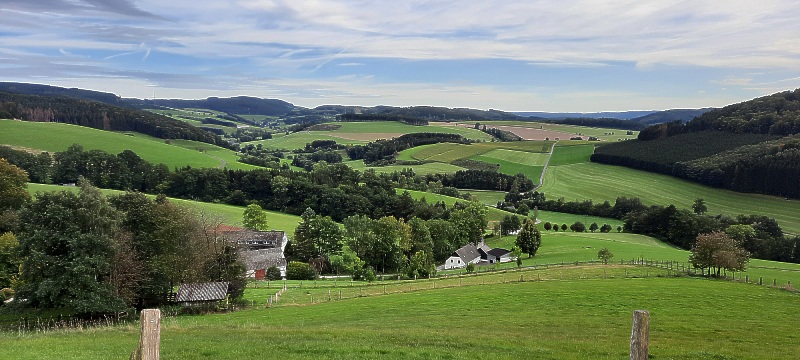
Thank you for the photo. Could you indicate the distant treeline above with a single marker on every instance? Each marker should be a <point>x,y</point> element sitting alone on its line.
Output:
<point>680,227</point>
<point>501,135</point>
<point>382,117</point>
<point>99,116</point>
<point>601,123</point>
<point>382,152</point>
<point>483,180</point>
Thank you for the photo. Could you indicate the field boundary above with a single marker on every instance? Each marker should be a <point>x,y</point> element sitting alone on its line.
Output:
<point>544,169</point>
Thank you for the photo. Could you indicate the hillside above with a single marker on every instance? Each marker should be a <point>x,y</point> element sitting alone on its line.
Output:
<point>432,113</point>
<point>737,147</point>
<point>97,115</point>
<point>243,105</point>
<point>659,117</point>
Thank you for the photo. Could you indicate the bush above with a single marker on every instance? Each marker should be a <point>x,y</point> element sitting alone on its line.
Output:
<point>470,268</point>
<point>297,270</point>
<point>273,273</point>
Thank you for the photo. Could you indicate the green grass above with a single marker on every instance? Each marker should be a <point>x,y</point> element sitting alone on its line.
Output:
<point>228,214</point>
<point>570,319</point>
<point>424,169</point>
<point>571,154</point>
<point>487,197</point>
<point>519,157</point>
<point>299,140</point>
<point>493,214</point>
<point>54,137</point>
<point>398,128</point>
<point>513,168</point>
<point>605,182</point>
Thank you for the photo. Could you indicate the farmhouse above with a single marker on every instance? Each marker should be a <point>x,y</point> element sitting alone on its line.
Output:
<point>478,255</point>
<point>260,250</point>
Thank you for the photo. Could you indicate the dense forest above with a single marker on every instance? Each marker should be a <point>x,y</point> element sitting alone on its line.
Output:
<point>99,116</point>
<point>382,117</point>
<point>738,147</point>
<point>599,122</point>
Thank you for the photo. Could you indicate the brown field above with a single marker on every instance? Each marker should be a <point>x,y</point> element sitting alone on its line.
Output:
<point>528,133</point>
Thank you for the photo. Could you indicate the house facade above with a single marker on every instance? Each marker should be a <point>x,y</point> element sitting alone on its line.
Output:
<point>467,254</point>
<point>260,250</point>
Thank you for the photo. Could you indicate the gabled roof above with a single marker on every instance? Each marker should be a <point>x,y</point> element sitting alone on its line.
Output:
<point>498,252</point>
<point>211,291</point>
<point>262,258</point>
<point>467,253</point>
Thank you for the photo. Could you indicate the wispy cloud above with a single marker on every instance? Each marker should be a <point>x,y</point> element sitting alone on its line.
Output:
<point>526,46</point>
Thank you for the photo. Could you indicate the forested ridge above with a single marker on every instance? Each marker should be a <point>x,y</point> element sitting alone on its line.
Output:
<point>99,116</point>
<point>747,147</point>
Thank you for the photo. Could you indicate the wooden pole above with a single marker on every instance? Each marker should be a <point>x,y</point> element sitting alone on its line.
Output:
<point>640,335</point>
<point>150,337</point>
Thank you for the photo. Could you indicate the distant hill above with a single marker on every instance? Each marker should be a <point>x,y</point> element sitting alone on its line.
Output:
<point>682,115</point>
<point>624,115</point>
<point>47,90</point>
<point>240,105</point>
<point>597,122</point>
<point>430,113</point>
<point>98,115</point>
<point>742,147</point>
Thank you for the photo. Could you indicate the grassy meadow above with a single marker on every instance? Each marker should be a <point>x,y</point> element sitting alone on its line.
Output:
<point>53,137</point>
<point>606,182</point>
<point>691,318</point>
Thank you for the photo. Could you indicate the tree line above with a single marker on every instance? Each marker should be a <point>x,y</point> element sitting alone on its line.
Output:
<point>410,120</point>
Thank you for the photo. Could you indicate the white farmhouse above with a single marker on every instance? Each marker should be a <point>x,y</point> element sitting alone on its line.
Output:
<point>467,254</point>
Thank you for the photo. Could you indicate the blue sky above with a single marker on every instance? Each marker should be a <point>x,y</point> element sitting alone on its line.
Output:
<point>569,56</point>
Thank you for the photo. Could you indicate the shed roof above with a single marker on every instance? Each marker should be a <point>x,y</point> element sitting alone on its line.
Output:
<point>498,252</point>
<point>467,253</point>
<point>211,291</point>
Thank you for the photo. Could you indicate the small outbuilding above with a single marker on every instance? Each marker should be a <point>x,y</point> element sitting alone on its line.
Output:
<point>194,294</point>
<point>498,255</point>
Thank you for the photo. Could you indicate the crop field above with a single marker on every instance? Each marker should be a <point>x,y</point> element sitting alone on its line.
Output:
<point>691,318</point>
<point>228,214</point>
<point>53,137</point>
<point>512,168</point>
<point>373,130</point>
<point>605,182</point>
<point>604,134</point>
<point>571,154</point>
<point>513,157</point>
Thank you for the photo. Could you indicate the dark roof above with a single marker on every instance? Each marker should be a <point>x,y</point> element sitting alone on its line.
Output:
<point>468,253</point>
<point>212,291</point>
<point>262,258</point>
<point>498,252</point>
<point>260,239</point>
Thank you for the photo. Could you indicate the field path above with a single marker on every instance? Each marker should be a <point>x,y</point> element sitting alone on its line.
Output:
<point>544,169</point>
<point>225,163</point>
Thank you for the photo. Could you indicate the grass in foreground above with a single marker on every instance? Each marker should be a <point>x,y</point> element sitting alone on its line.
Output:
<point>570,319</point>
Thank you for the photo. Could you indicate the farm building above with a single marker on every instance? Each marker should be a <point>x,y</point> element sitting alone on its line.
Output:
<point>465,255</point>
<point>260,249</point>
<point>196,294</point>
<point>479,255</point>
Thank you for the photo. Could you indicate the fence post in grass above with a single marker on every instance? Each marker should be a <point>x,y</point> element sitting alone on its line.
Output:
<point>747,279</point>
<point>150,338</point>
<point>640,335</point>
<point>774,282</point>
<point>329,295</point>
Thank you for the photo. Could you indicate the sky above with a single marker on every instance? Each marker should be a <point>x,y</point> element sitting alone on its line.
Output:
<point>513,55</point>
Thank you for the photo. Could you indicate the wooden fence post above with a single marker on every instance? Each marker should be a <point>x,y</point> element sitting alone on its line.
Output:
<point>150,338</point>
<point>640,335</point>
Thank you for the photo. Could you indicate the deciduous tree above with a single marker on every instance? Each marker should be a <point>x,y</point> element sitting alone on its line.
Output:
<point>529,238</point>
<point>717,251</point>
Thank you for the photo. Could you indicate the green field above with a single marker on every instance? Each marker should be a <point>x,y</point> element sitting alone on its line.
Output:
<point>605,182</point>
<point>53,137</point>
<point>571,154</point>
<point>299,140</point>
<point>515,162</point>
<point>555,319</point>
<point>424,169</point>
<point>228,214</point>
<point>397,128</point>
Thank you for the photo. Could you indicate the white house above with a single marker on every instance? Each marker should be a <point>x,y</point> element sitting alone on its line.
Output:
<point>259,250</point>
<point>467,254</point>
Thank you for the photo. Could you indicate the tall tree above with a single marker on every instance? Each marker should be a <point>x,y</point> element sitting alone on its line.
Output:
<point>469,220</point>
<point>717,251</point>
<point>699,206</point>
<point>529,238</point>
<point>255,218</point>
<point>13,186</point>
<point>66,241</point>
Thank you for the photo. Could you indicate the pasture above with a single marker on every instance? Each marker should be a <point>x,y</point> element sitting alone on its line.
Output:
<point>424,169</point>
<point>600,182</point>
<point>54,137</point>
<point>691,318</point>
<point>571,154</point>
